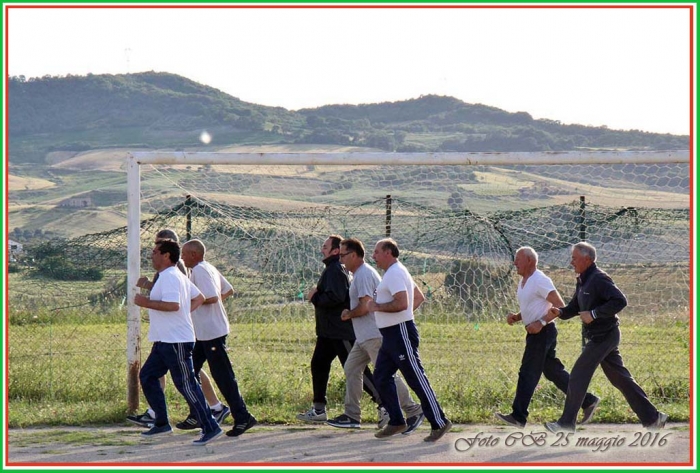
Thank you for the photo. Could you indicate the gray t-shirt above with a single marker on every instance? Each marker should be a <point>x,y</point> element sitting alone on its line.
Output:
<point>364,281</point>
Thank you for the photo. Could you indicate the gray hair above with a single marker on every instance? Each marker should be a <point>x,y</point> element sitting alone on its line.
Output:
<point>391,245</point>
<point>585,249</point>
<point>529,252</point>
<point>167,234</point>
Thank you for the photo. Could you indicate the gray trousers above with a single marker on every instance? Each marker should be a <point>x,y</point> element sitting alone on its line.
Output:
<point>358,359</point>
<point>604,352</point>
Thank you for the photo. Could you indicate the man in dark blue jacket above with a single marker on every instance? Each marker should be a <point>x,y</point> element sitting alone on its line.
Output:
<point>597,301</point>
<point>334,336</point>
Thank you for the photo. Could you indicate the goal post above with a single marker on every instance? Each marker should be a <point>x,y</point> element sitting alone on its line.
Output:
<point>518,166</point>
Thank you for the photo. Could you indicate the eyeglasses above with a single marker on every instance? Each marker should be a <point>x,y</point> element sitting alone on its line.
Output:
<point>345,254</point>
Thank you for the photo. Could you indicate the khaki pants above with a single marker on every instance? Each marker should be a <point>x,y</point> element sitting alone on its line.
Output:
<point>358,359</point>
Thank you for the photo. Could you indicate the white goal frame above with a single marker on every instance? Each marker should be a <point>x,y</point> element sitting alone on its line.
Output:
<point>137,158</point>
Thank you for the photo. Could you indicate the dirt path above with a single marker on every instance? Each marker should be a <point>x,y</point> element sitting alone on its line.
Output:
<point>494,445</point>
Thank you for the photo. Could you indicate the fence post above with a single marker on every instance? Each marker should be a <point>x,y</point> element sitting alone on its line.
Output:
<point>188,217</point>
<point>133,317</point>
<point>582,237</point>
<point>388,216</point>
<point>582,218</point>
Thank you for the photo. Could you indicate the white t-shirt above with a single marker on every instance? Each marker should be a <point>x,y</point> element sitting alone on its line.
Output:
<point>533,297</point>
<point>396,279</point>
<point>364,282</point>
<point>210,320</point>
<point>175,326</point>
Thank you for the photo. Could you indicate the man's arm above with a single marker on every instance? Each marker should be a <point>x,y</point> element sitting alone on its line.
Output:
<point>206,284</point>
<point>145,302</point>
<point>196,302</point>
<point>397,304</point>
<point>210,300</point>
<point>511,318</point>
<point>359,311</point>
<point>571,309</point>
<point>614,299</point>
<point>334,291</point>
<point>555,299</point>
<point>226,295</point>
<point>418,297</point>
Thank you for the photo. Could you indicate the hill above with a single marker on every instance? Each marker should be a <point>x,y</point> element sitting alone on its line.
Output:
<point>162,110</point>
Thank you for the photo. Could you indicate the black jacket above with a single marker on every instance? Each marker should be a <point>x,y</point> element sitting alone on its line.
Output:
<point>596,291</point>
<point>332,296</point>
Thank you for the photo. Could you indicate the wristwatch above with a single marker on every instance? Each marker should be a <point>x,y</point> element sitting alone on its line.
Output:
<point>543,322</point>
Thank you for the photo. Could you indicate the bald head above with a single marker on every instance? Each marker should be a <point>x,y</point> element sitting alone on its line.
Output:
<point>193,253</point>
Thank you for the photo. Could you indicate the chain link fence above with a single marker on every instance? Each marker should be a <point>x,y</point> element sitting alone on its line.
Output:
<point>68,298</point>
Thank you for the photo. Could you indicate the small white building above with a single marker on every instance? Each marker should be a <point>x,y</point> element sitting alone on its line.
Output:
<point>15,249</point>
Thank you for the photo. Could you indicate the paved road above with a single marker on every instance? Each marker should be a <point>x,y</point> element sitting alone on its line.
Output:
<point>594,444</point>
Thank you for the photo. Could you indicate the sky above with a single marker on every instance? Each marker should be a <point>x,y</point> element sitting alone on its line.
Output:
<point>625,68</point>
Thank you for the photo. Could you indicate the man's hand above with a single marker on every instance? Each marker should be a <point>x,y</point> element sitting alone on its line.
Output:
<point>345,314</point>
<point>141,300</point>
<point>553,313</point>
<point>512,318</point>
<point>534,328</point>
<point>586,316</point>
<point>144,283</point>
<point>311,294</point>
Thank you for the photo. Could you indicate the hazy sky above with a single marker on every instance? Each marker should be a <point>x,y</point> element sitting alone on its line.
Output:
<point>625,68</point>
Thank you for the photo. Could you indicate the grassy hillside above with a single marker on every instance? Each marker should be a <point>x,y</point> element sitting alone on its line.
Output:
<point>162,110</point>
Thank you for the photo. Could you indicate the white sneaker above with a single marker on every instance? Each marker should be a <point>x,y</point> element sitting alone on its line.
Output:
<point>383,417</point>
<point>312,415</point>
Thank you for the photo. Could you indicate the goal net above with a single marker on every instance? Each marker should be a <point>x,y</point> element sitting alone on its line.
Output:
<point>458,220</point>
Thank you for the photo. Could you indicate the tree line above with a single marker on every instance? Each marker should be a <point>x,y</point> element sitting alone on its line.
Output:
<point>78,113</point>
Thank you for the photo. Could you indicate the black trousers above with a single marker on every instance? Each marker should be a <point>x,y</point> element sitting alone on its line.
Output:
<point>326,350</point>
<point>604,351</point>
<point>214,353</point>
<point>540,357</point>
<point>399,352</point>
<point>176,358</point>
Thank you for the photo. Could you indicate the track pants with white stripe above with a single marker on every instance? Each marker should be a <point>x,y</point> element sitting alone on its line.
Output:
<point>399,351</point>
<point>176,358</point>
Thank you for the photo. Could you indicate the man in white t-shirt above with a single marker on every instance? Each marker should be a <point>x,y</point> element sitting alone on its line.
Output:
<point>211,328</point>
<point>172,298</point>
<point>219,411</point>
<point>536,295</point>
<point>368,340</point>
<point>397,296</point>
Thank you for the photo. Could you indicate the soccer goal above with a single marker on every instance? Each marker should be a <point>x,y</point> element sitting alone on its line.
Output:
<point>458,219</point>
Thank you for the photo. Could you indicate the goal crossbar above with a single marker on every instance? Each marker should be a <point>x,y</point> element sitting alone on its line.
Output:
<point>374,158</point>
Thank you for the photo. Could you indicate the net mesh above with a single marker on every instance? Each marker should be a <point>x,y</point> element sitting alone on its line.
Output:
<point>457,226</point>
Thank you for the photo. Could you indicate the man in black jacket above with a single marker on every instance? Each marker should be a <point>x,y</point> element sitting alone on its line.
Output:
<point>334,336</point>
<point>597,301</point>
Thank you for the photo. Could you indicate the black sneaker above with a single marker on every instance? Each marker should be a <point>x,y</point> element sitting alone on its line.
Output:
<point>413,423</point>
<point>188,424</point>
<point>221,414</point>
<point>509,419</point>
<point>344,422</point>
<point>207,437</point>
<point>240,429</point>
<point>143,420</point>
<point>588,412</point>
<point>158,430</point>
